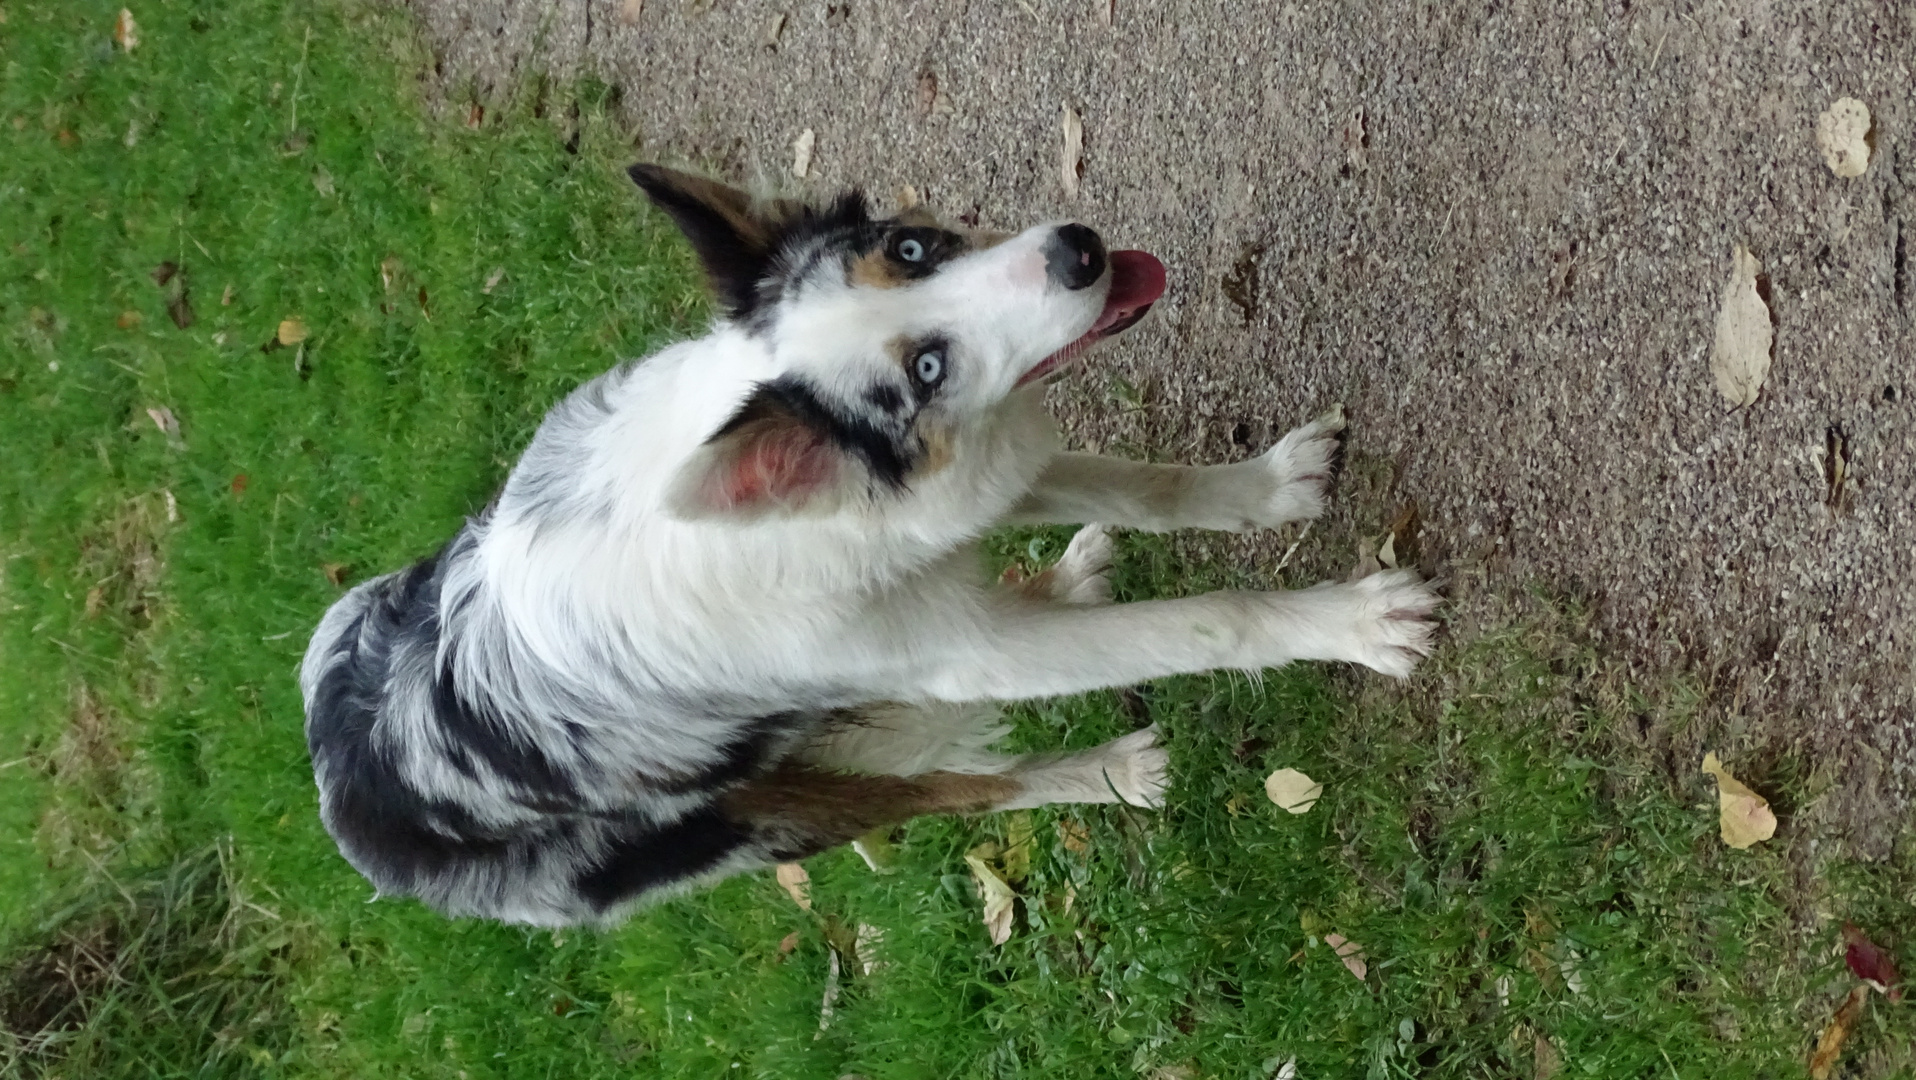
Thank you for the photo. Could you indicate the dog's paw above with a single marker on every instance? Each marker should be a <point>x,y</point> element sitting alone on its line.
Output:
<point>1286,483</point>
<point>1302,467</point>
<point>1078,577</point>
<point>1392,624</point>
<point>1137,768</point>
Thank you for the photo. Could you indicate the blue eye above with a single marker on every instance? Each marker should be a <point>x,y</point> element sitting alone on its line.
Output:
<point>930,366</point>
<point>911,250</point>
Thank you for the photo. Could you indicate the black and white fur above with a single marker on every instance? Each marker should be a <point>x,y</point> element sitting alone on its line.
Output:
<point>727,610</point>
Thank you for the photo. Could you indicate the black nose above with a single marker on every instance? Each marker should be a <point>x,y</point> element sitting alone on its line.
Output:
<point>1074,256</point>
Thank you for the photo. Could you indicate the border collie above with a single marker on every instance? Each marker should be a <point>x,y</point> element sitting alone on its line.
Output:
<point>727,610</point>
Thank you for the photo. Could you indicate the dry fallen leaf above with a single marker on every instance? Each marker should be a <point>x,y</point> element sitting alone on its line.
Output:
<point>1740,358</point>
<point>126,33</point>
<point>1842,133</point>
<point>323,182</point>
<point>336,573</point>
<point>1072,165</point>
<point>1870,963</point>
<point>831,991</point>
<point>1292,790</point>
<point>802,153</point>
<point>997,897</point>
<point>797,883</point>
<point>164,419</point>
<point>291,332</point>
<point>1019,840</point>
<point>129,319</point>
<point>493,279</point>
<point>226,297</point>
<point>865,947</point>
<point>927,90</point>
<point>1545,1061</point>
<point>1350,952</point>
<point>787,943</point>
<point>1829,1046</point>
<point>1074,836</point>
<point>1746,816</point>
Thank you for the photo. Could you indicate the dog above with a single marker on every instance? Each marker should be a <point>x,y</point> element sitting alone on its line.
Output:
<point>727,610</point>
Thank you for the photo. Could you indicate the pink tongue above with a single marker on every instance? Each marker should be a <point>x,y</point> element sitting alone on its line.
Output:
<point>1137,279</point>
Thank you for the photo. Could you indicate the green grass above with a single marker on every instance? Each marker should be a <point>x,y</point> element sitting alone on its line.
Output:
<point>1485,836</point>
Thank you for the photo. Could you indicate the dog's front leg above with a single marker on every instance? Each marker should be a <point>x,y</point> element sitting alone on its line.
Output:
<point>1286,483</point>
<point>1029,650</point>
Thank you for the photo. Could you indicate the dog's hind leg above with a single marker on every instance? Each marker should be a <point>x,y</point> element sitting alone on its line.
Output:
<point>798,810</point>
<point>1286,483</point>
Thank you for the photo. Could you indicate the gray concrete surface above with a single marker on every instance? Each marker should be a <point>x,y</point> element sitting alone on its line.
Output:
<point>1496,230</point>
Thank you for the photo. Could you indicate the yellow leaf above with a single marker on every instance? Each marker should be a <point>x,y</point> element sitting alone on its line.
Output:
<point>1829,1047</point>
<point>1018,844</point>
<point>1292,790</point>
<point>797,883</point>
<point>997,897</point>
<point>1746,817</point>
<point>291,332</point>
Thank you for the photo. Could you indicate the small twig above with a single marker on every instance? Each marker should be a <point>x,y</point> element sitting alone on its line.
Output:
<point>299,75</point>
<point>1292,550</point>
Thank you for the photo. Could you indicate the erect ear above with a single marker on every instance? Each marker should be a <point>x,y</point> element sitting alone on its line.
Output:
<point>734,239</point>
<point>773,455</point>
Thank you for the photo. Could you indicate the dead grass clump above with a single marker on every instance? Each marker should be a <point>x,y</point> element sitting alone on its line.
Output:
<point>102,791</point>
<point>177,973</point>
<point>122,561</point>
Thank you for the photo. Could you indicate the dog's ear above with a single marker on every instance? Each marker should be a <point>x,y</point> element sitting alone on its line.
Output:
<point>734,239</point>
<point>772,456</point>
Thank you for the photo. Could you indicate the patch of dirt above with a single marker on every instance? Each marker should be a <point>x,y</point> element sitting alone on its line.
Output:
<point>102,793</point>
<point>122,562</point>
<point>1497,232</point>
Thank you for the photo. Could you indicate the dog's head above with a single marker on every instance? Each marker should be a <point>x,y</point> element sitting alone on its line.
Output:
<point>892,339</point>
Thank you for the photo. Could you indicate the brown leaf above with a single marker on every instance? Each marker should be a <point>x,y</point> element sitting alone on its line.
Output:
<point>164,272</point>
<point>475,115</point>
<point>238,487</point>
<point>1350,952</point>
<point>1829,1046</point>
<point>1871,964</point>
<point>1072,160</point>
<point>1740,359</point>
<point>126,33</point>
<point>226,297</point>
<point>180,309</point>
<point>1545,1061</point>
<point>796,883</point>
<point>1842,133</point>
<point>787,943</point>
<point>291,332</point>
<point>927,90</point>
<point>1744,815</point>
<point>337,573</point>
<point>1074,836</point>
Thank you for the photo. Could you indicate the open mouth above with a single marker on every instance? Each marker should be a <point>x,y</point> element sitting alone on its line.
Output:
<point>1137,280</point>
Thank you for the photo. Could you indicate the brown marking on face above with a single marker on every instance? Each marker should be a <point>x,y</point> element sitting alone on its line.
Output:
<point>981,239</point>
<point>937,438</point>
<point>878,270</point>
<point>798,810</point>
